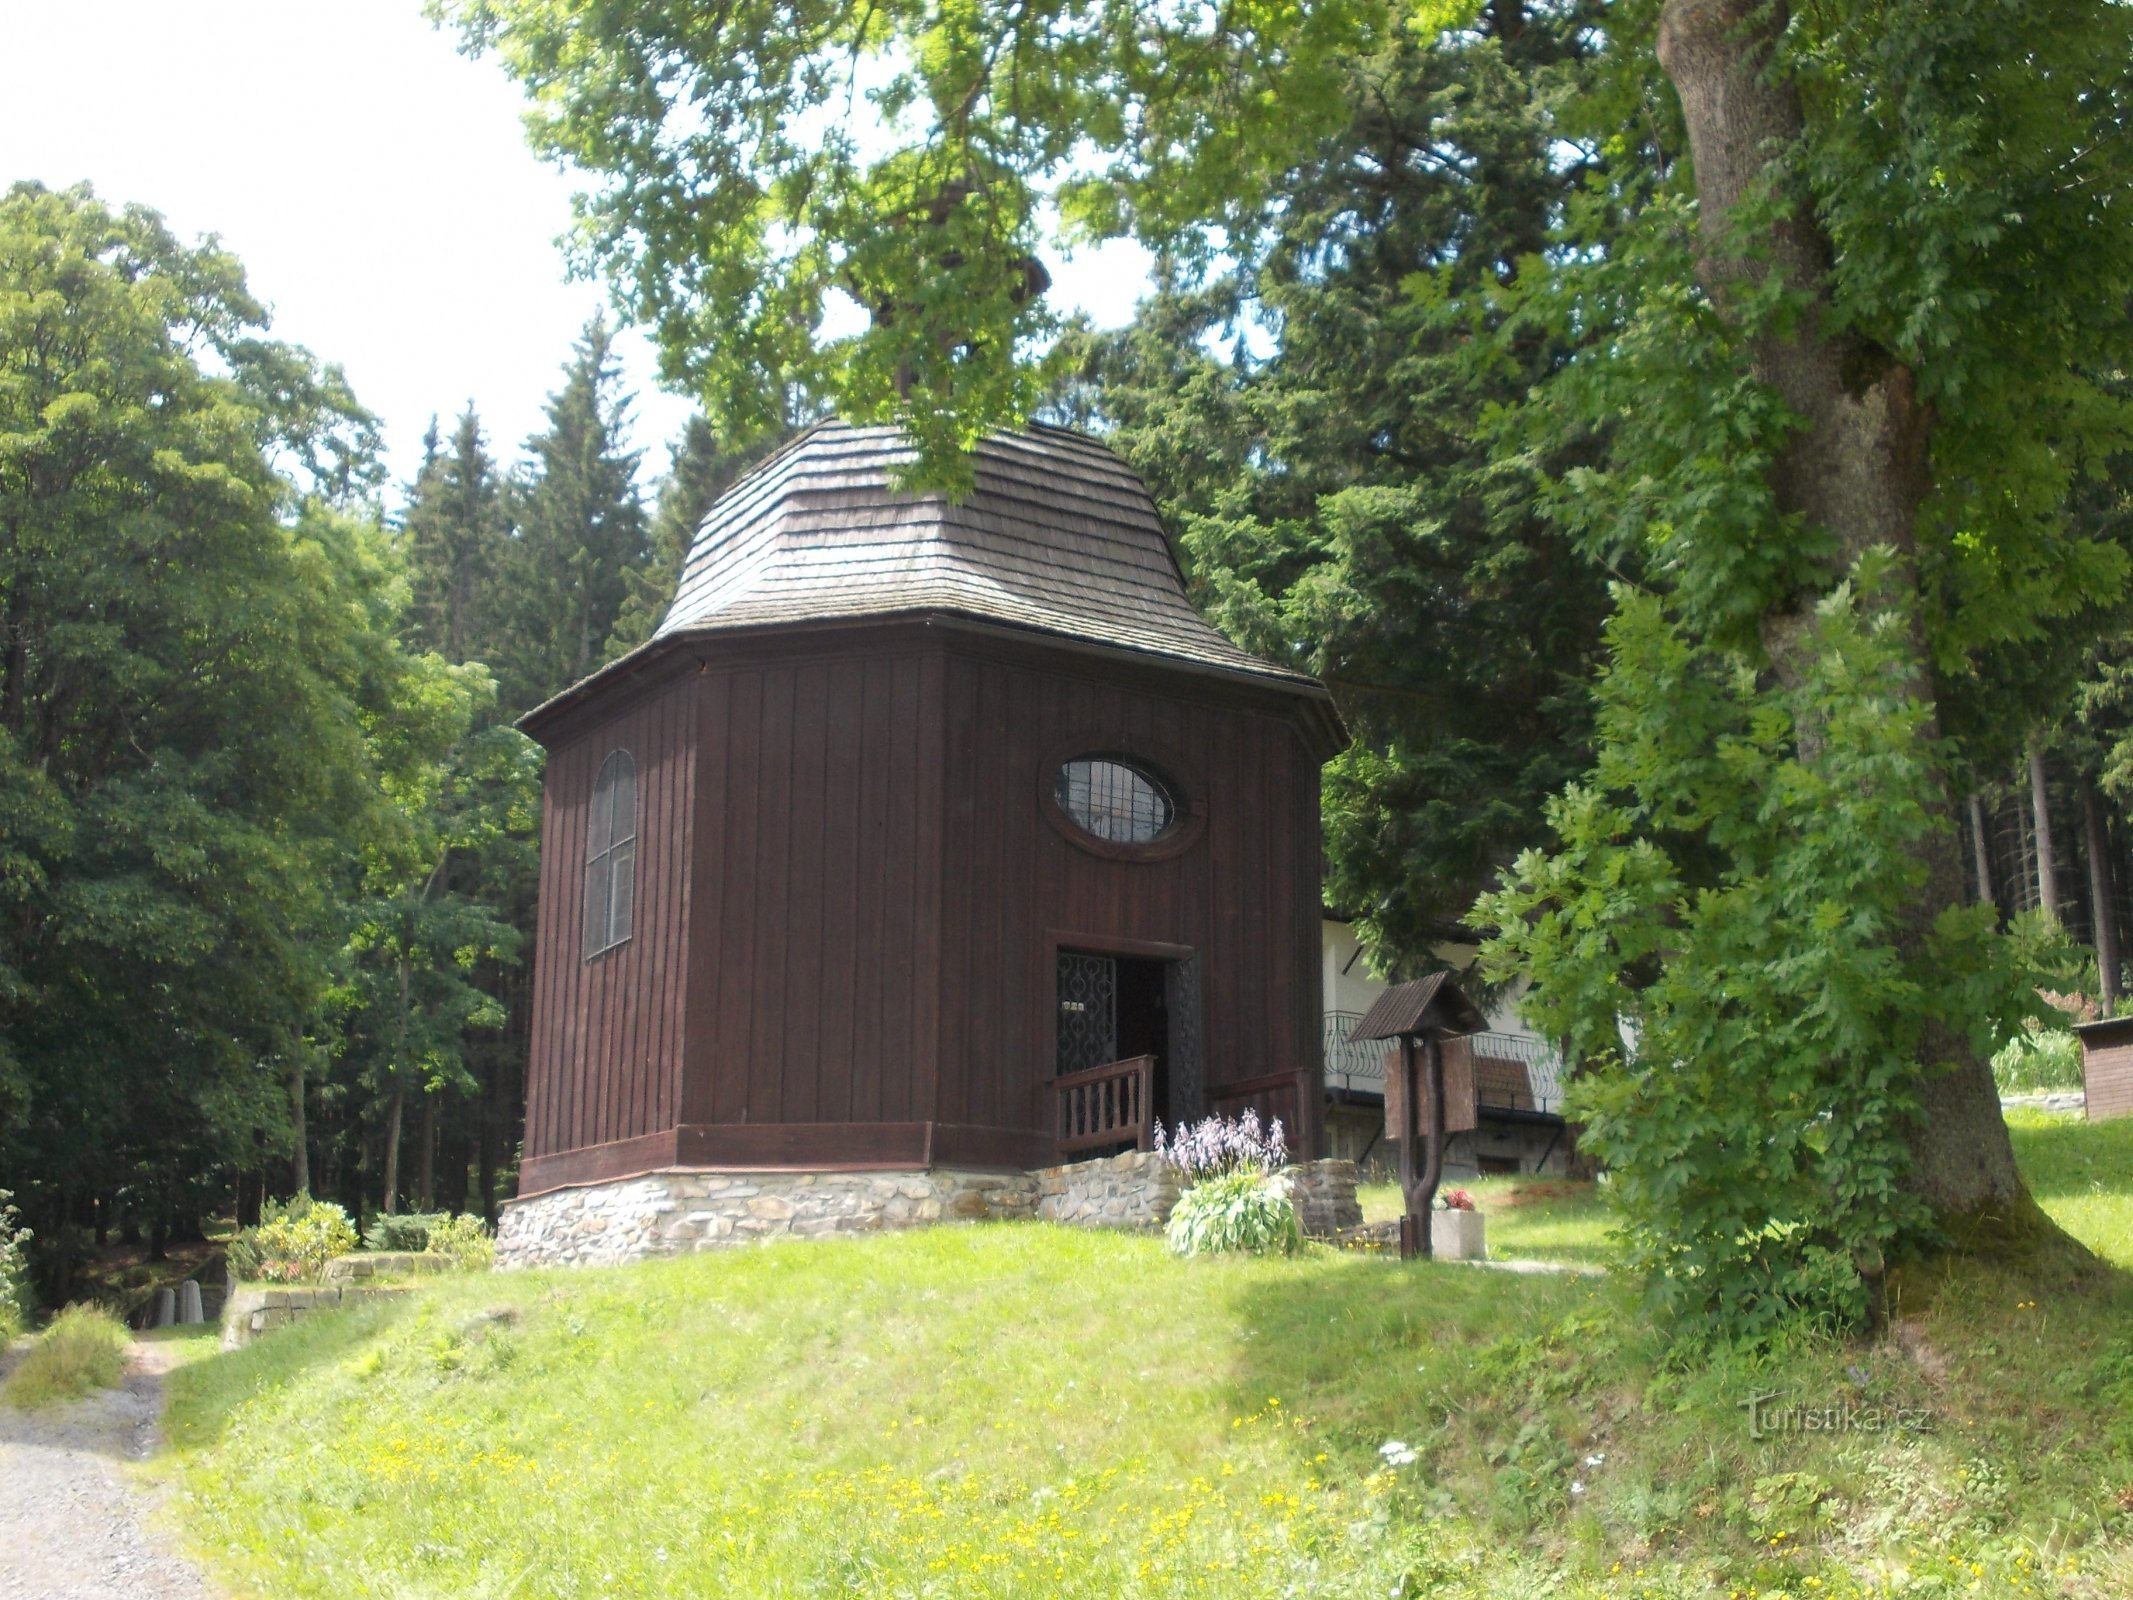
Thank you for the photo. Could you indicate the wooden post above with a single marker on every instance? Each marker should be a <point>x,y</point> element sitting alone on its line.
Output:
<point>2103,903</point>
<point>1413,1241</point>
<point>1419,1190</point>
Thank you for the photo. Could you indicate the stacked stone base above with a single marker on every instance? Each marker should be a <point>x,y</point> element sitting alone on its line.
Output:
<point>253,1311</point>
<point>678,1213</point>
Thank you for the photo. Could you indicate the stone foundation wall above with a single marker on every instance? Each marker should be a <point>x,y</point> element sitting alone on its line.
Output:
<point>251,1312</point>
<point>1324,1192</point>
<point>676,1213</point>
<point>1135,1190</point>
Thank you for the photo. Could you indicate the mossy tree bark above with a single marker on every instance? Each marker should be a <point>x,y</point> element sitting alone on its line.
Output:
<point>1857,465</point>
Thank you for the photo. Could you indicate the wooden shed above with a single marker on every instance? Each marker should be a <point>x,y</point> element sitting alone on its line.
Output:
<point>2107,1067</point>
<point>923,835</point>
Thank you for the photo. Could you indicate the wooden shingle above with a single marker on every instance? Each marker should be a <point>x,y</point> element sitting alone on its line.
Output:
<point>1058,536</point>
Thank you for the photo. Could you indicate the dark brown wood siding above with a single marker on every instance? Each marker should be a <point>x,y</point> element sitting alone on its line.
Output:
<point>851,897</point>
<point>817,892</point>
<point>605,1058</point>
<point>2107,1069</point>
<point>1244,897</point>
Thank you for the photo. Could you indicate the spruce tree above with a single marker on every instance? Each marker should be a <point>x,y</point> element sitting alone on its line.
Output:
<point>580,531</point>
<point>454,532</point>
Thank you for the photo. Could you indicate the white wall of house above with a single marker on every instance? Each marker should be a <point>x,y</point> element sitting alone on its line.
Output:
<point>1350,985</point>
<point>1354,1074</point>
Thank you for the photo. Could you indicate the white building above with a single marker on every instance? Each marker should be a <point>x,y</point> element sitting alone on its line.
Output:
<point>1517,1077</point>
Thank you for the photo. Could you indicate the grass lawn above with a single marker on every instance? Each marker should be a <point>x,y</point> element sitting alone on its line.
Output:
<point>1530,1219</point>
<point>1019,1410</point>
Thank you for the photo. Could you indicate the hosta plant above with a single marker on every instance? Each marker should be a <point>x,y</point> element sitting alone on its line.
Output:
<point>1248,1211</point>
<point>1218,1146</point>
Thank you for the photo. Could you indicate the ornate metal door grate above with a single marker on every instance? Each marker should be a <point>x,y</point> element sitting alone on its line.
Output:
<point>1088,1011</point>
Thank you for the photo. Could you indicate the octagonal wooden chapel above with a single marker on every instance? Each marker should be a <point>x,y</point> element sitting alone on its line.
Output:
<point>923,835</point>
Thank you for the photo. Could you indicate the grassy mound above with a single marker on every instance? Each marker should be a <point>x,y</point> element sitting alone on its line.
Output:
<point>1017,1410</point>
<point>82,1351</point>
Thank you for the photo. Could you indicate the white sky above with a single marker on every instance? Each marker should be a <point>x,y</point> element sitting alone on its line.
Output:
<point>375,184</point>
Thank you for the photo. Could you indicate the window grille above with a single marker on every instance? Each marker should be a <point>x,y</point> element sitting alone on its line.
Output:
<point>1114,801</point>
<point>611,856</point>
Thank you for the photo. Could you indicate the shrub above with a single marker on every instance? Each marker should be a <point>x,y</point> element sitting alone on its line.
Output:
<point>293,1241</point>
<point>1217,1147</point>
<point>466,1240</point>
<point>2038,1058</point>
<point>410,1230</point>
<point>83,1350</point>
<point>14,1271</point>
<point>1245,1210</point>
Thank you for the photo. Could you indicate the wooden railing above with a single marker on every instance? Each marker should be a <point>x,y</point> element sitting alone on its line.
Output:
<point>1108,1105</point>
<point>1274,1097</point>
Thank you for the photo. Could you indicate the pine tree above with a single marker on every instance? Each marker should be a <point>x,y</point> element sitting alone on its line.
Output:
<point>454,531</point>
<point>580,532</point>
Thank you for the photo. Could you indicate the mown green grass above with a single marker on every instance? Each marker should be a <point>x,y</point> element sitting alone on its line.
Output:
<point>2082,1173</point>
<point>83,1349</point>
<point>1015,1410</point>
<point>1529,1218</point>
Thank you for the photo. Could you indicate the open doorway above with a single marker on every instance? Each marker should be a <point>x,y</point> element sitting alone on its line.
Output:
<point>1115,1007</point>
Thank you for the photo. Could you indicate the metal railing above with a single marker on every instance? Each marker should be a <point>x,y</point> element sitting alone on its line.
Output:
<point>1360,1068</point>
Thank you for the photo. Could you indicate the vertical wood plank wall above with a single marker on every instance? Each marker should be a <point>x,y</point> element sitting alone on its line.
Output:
<point>2107,1075</point>
<point>817,909</point>
<point>1245,897</point>
<point>847,888</point>
<point>605,1049</point>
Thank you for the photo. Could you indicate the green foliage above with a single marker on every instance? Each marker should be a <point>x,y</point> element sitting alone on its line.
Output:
<point>14,1271</point>
<point>464,1240</point>
<point>1247,1211</point>
<point>456,533</point>
<point>197,633</point>
<point>293,1241</point>
<point>1719,921</point>
<point>409,1230</point>
<point>578,534</point>
<point>2038,1058</point>
<point>744,172</point>
<point>1342,499</point>
<point>82,1350</point>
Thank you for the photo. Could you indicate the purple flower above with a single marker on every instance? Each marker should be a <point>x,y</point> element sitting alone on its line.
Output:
<point>1218,1146</point>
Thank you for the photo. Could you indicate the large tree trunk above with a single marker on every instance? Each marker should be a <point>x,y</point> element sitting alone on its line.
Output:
<point>1857,466</point>
<point>2040,810</point>
<point>2103,903</point>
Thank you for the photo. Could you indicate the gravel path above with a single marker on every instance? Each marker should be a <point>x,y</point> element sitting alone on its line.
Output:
<point>73,1523</point>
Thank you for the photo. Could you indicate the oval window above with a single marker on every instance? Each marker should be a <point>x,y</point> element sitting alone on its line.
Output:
<point>1114,800</point>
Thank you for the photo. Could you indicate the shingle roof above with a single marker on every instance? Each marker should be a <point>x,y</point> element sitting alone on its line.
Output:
<point>1059,536</point>
<point>1424,1005</point>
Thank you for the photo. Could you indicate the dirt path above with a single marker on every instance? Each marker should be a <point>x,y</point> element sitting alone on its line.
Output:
<point>73,1524</point>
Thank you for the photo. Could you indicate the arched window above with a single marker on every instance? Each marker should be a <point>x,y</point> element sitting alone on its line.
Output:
<point>611,855</point>
<point>1114,800</point>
